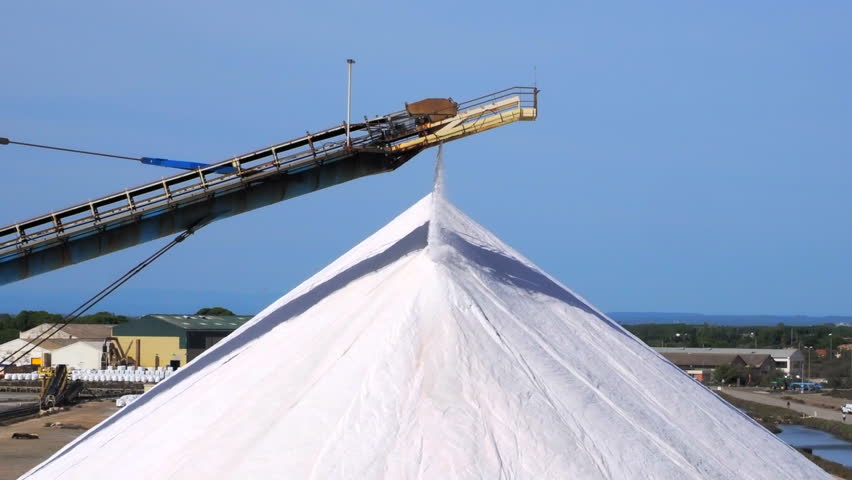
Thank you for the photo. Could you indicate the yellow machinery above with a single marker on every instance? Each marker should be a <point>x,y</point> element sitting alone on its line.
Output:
<point>445,123</point>
<point>54,384</point>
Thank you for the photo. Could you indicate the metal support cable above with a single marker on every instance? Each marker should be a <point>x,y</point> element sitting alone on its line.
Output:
<point>6,141</point>
<point>74,313</point>
<point>91,302</point>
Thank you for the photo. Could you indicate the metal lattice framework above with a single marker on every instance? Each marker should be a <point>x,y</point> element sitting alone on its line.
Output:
<point>254,179</point>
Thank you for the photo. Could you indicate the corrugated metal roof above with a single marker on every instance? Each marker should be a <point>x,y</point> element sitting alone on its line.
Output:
<point>85,331</point>
<point>179,326</point>
<point>773,352</point>
<point>204,322</point>
<point>757,360</point>
<point>52,344</point>
<point>712,359</point>
<point>89,331</point>
<point>701,359</point>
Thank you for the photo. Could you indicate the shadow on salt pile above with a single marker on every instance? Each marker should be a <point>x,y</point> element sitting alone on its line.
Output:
<point>513,272</point>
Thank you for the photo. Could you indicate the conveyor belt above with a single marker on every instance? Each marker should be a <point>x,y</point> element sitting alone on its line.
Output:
<point>255,179</point>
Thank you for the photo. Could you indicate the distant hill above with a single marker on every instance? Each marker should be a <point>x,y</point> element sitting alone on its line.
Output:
<point>632,318</point>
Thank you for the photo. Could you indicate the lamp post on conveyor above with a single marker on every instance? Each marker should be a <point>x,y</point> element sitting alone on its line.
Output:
<point>349,61</point>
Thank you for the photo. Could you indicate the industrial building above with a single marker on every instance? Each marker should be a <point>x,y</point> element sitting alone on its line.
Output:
<point>760,360</point>
<point>82,331</point>
<point>44,353</point>
<point>155,340</point>
<point>82,354</point>
<point>36,356</point>
<point>700,365</point>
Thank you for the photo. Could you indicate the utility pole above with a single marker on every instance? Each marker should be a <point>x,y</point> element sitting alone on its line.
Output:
<point>349,61</point>
<point>829,346</point>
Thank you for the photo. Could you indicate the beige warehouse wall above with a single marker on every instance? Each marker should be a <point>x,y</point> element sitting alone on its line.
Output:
<point>77,356</point>
<point>165,347</point>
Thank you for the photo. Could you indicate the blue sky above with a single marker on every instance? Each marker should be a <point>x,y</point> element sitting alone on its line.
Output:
<point>689,156</point>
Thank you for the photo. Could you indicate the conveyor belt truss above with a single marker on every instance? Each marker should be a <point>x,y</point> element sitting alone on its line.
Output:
<point>255,179</point>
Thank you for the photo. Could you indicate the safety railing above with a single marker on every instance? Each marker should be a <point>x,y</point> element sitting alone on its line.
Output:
<point>528,98</point>
<point>147,199</point>
<point>477,115</point>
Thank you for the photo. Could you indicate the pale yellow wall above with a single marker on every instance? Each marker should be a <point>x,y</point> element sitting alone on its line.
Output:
<point>152,346</point>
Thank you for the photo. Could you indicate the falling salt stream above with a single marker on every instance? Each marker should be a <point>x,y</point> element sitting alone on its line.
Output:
<point>438,200</point>
<point>438,183</point>
<point>429,350</point>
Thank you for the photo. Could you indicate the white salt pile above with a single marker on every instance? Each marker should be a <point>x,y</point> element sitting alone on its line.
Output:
<point>433,351</point>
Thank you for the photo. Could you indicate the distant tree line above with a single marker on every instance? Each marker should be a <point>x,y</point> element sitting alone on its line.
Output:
<point>11,325</point>
<point>720,336</point>
<point>217,311</point>
<point>737,375</point>
<point>835,368</point>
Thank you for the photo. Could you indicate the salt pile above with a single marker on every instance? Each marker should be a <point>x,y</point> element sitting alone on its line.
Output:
<point>430,350</point>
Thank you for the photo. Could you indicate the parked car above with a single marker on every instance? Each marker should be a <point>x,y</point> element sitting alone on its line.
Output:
<point>806,386</point>
<point>846,408</point>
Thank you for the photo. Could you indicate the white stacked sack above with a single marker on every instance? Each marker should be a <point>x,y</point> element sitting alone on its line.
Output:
<point>120,374</point>
<point>124,374</point>
<point>22,376</point>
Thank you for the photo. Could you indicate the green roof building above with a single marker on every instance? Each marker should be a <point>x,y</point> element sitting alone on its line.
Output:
<point>155,340</point>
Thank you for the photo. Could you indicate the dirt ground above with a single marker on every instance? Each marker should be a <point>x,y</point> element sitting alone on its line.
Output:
<point>818,400</point>
<point>18,456</point>
<point>807,403</point>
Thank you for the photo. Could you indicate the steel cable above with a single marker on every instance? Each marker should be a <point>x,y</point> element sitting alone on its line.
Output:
<point>94,300</point>
<point>6,141</point>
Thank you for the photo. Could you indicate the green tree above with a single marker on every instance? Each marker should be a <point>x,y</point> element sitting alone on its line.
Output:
<point>219,311</point>
<point>107,318</point>
<point>28,319</point>
<point>729,374</point>
<point>7,334</point>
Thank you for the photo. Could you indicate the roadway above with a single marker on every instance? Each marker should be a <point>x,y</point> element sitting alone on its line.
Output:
<point>816,406</point>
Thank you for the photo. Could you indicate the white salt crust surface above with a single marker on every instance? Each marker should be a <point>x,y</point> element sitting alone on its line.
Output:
<point>456,360</point>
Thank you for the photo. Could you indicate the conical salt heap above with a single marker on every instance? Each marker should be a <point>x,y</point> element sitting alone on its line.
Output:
<point>430,351</point>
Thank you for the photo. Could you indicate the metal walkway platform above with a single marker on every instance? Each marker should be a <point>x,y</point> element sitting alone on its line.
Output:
<point>255,179</point>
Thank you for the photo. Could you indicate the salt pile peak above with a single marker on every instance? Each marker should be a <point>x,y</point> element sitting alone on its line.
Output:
<point>430,350</point>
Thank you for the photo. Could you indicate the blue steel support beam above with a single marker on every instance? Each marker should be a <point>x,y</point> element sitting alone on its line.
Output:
<point>182,164</point>
<point>178,217</point>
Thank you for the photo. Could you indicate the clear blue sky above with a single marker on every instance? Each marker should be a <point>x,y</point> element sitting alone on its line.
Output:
<point>689,156</point>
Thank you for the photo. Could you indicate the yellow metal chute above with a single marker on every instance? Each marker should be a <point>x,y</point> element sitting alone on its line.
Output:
<point>503,109</point>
